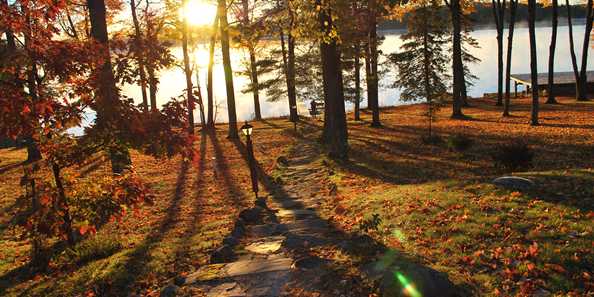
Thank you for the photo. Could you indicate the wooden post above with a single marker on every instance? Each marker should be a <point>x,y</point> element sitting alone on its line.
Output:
<point>515,89</point>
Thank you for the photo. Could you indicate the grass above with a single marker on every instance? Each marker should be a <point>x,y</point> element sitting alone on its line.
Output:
<point>436,204</point>
<point>196,205</point>
<point>439,205</point>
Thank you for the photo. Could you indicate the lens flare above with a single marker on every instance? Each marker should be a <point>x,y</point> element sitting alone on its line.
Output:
<point>408,288</point>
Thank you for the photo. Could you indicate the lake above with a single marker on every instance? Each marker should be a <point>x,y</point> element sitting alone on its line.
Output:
<point>173,81</point>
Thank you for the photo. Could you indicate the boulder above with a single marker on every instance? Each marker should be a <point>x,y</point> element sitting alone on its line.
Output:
<point>224,254</point>
<point>252,215</point>
<point>169,291</point>
<point>514,183</point>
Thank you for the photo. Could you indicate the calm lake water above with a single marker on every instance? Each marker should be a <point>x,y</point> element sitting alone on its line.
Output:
<point>173,81</point>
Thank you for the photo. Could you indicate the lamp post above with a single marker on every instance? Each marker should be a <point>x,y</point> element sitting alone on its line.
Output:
<point>247,129</point>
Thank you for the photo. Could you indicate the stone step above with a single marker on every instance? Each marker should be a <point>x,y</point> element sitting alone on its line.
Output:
<point>238,268</point>
<point>266,246</point>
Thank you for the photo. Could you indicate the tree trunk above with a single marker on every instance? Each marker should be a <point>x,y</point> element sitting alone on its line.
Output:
<point>33,152</point>
<point>372,77</point>
<point>572,51</point>
<point>457,65</point>
<point>107,101</point>
<point>552,46</point>
<point>426,71</point>
<point>139,53</point>
<point>287,76</point>
<point>152,84</point>
<point>586,45</point>
<point>291,89</point>
<point>209,87</point>
<point>255,84</point>
<point>499,14</point>
<point>232,133</point>
<point>200,101</point>
<point>533,61</point>
<point>253,64</point>
<point>188,72</point>
<point>62,204</point>
<point>335,126</point>
<point>357,82</point>
<point>510,44</point>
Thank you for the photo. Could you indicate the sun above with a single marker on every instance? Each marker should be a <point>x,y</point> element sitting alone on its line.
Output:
<point>199,13</point>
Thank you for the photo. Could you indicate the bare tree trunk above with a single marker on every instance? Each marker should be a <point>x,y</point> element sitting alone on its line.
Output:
<point>357,82</point>
<point>253,64</point>
<point>572,51</point>
<point>291,89</point>
<point>232,133</point>
<point>533,61</point>
<point>552,47</point>
<point>63,204</point>
<point>188,72</point>
<point>152,84</point>
<point>335,127</point>
<point>209,87</point>
<point>457,65</point>
<point>200,101</point>
<point>510,44</point>
<point>499,16</point>
<point>586,45</point>
<point>290,94</point>
<point>107,102</point>
<point>139,46</point>
<point>372,77</point>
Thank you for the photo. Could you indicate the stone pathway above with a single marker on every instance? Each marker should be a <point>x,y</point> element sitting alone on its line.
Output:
<point>275,247</point>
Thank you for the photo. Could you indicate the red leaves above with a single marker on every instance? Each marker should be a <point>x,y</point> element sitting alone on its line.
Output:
<point>84,229</point>
<point>26,110</point>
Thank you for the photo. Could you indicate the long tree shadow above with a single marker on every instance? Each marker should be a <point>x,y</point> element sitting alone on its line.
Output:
<point>374,256</point>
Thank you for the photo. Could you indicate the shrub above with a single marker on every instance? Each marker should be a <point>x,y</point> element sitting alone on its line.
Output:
<point>370,223</point>
<point>459,142</point>
<point>432,140</point>
<point>91,249</point>
<point>514,155</point>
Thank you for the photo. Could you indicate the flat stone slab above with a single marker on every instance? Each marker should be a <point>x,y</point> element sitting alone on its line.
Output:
<point>266,246</point>
<point>296,213</point>
<point>514,183</point>
<point>265,230</point>
<point>240,268</point>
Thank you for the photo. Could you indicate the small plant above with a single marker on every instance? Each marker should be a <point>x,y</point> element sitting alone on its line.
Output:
<point>459,142</point>
<point>514,155</point>
<point>370,224</point>
<point>432,140</point>
<point>91,249</point>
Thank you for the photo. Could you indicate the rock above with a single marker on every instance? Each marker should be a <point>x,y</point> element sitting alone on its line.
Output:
<point>261,202</point>
<point>251,215</point>
<point>267,246</point>
<point>223,254</point>
<point>230,241</point>
<point>308,263</point>
<point>179,280</point>
<point>169,291</point>
<point>257,266</point>
<point>514,183</point>
<point>282,160</point>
